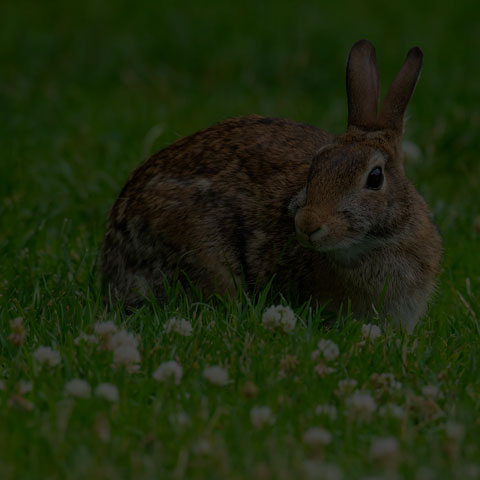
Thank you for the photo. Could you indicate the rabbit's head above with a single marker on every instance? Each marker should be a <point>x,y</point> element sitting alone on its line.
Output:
<point>357,196</point>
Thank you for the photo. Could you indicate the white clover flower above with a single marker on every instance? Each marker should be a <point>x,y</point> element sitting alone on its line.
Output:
<point>316,437</point>
<point>20,402</point>
<point>202,447</point>
<point>386,381</point>
<point>395,385</point>
<point>168,370</point>
<point>250,390</point>
<point>216,375</point>
<point>454,431</point>
<point>371,331</point>
<point>431,391</point>
<point>385,451</point>
<point>329,411</point>
<point>17,337</point>
<point>393,411</point>
<point>279,317</point>
<point>17,323</point>
<point>322,369</point>
<point>390,379</point>
<point>78,388</point>
<point>423,406</point>
<point>24,387</point>
<point>126,355</point>
<point>105,329</point>
<point>472,470</point>
<point>261,416</point>
<point>316,354</point>
<point>360,344</point>
<point>426,473</point>
<point>83,337</point>
<point>179,325</point>
<point>288,364</point>
<point>318,470</point>
<point>46,356</point>
<point>327,349</point>
<point>360,406</point>
<point>107,391</point>
<point>122,338</point>
<point>181,419</point>
<point>345,387</point>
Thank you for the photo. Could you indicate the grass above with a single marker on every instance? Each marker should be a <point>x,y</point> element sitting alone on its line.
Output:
<point>90,89</point>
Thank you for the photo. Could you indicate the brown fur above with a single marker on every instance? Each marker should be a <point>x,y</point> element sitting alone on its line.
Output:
<point>226,203</point>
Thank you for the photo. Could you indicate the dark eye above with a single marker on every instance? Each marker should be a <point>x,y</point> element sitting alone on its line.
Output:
<point>375,179</point>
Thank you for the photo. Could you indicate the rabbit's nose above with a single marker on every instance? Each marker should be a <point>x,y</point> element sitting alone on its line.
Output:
<point>318,234</point>
<point>310,224</point>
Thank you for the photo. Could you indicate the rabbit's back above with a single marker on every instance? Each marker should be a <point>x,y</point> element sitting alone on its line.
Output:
<point>209,209</point>
<point>254,147</point>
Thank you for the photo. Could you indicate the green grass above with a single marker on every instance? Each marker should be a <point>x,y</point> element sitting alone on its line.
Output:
<point>90,89</point>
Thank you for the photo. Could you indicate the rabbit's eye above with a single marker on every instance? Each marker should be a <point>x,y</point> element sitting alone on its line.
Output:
<point>375,179</point>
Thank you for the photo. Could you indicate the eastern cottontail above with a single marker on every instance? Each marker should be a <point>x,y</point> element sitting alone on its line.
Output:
<point>332,218</point>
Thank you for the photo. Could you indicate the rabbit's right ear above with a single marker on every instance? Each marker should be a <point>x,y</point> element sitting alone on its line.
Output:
<point>400,92</point>
<point>363,85</point>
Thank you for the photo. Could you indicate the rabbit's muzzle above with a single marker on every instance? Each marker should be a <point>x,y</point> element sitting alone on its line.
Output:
<point>319,231</point>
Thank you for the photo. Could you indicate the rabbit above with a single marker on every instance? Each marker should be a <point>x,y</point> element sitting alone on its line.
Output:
<point>331,219</point>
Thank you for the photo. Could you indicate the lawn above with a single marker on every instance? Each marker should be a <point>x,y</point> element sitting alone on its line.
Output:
<point>194,389</point>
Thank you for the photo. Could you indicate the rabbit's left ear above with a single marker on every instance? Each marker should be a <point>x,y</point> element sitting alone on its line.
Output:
<point>363,85</point>
<point>400,92</point>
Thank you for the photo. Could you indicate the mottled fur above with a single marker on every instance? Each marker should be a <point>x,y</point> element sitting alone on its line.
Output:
<point>254,197</point>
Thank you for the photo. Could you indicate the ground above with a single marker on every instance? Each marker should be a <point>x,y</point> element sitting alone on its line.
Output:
<point>90,89</point>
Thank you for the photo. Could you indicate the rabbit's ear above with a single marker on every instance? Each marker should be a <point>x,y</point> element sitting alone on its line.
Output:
<point>400,92</point>
<point>363,85</point>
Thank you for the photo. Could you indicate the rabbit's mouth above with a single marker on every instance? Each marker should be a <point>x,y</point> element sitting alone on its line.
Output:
<point>313,239</point>
<point>324,239</point>
<point>346,252</point>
